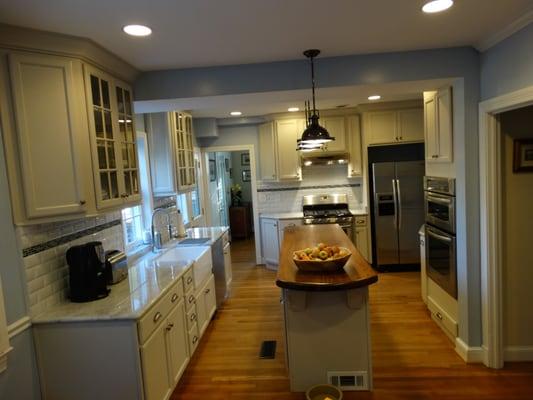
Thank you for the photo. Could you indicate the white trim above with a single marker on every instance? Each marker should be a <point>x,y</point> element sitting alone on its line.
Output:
<point>490,219</point>
<point>469,354</point>
<point>251,149</point>
<point>504,33</point>
<point>518,353</point>
<point>18,326</point>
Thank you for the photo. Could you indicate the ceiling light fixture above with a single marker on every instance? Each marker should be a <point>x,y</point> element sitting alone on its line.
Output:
<point>374,97</point>
<point>314,136</point>
<point>436,6</point>
<point>235,113</point>
<point>137,30</point>
<point>293,109</point>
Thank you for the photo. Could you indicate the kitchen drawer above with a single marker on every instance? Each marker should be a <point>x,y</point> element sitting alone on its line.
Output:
<point>155,315</point>
<point>192,317</point>
<point>194,338</point>
<point>190,301</point>
<point>188,281</point>
<point>443,319</point>
<point>360,221</point>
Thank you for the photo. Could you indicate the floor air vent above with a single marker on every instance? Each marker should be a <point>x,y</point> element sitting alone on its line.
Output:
<point>349,380</point>
<point>268,349</point>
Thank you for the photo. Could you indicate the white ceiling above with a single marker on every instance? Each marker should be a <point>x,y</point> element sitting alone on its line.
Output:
<point>258,104</point>
<point>192,33</point>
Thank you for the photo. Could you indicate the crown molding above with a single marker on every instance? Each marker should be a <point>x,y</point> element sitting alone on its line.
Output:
<point>504,33</point>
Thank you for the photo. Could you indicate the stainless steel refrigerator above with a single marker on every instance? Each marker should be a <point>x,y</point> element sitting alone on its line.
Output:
<point>398,197</point>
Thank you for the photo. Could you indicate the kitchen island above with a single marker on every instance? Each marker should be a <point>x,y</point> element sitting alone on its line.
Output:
<point>326,315</point>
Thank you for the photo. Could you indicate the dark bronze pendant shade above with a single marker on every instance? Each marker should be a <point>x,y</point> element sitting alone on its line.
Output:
<point>314,135</point>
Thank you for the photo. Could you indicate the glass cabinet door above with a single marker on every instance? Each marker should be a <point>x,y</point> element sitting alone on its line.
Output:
<point>128,145</point>
<point>107,173</point>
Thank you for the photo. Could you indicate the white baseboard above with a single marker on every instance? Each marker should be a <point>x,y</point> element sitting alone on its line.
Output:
<point>518,353</point>
<point>475,354</point>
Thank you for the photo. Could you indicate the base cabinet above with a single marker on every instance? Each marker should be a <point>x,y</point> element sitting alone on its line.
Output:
<point>270,241</point>
<point>362,237</point>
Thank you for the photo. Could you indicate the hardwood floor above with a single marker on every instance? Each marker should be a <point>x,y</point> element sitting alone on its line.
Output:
<point>412,358</point>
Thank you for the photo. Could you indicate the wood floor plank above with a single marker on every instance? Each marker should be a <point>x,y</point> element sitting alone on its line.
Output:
<point>412,358</point>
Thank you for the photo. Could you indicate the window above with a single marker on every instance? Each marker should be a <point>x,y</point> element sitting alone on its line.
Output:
<point>181,202</point>
<point>133,226</point>
<point>195,200</point>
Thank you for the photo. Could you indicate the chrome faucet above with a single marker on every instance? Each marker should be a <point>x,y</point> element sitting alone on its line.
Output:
<point>157,243</point>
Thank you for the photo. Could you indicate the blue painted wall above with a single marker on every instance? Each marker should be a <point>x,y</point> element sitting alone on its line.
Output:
<point>508,66</point>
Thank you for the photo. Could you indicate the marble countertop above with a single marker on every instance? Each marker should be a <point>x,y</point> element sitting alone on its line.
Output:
<point>148,279</point>
<point>296,215</point>
<point>213,233</point>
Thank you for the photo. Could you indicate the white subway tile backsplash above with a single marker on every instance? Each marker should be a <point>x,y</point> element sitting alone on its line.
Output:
<point>47,270</point>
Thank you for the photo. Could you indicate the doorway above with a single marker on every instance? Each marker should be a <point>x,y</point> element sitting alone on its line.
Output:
<point>498,118</point>
<point>231,192</point>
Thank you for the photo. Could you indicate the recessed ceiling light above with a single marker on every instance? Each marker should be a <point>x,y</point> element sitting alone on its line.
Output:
<point>436,6</point>
<point>293,109</point>
<point>137,30</point>
<point>374,97</point>
<point>235,113</point>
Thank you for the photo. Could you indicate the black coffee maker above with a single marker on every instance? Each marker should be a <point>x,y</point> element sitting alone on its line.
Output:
<point>87,272</point>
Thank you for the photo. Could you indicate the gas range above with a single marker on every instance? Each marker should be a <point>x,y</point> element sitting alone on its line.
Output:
<point>327,209</point>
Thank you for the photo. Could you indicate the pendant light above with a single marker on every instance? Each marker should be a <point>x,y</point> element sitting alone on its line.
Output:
<point>314,135</point>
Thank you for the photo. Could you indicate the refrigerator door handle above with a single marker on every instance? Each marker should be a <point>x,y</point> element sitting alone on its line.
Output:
<point>399,199</point>
<point>395,199</point>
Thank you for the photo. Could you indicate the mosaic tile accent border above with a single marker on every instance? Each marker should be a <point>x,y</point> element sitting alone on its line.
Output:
<point>283,189</point>
<point>68,238</point>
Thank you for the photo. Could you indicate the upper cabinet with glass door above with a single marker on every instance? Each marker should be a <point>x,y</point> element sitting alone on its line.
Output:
<point>184,151</point>
<point>112,140</point>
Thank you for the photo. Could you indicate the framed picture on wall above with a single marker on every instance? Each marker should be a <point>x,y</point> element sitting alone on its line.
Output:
<point>523,155</point>
<point>245,159</point>
<point>246,175</point>
<point>212,171</point>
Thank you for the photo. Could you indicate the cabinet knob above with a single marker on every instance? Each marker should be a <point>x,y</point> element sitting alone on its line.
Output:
<point>193,317</point>
<point>191,298</point>
<point>401,137</point>
<point>82,202</point>
<point>189,280</point>
<point>174,298</point>
<point>157,316</point>
<point>207,291</point>
<point>169,326</point>
<point>194,339</point>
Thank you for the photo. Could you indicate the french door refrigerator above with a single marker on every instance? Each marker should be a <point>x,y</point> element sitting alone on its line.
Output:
<point>398,198</point>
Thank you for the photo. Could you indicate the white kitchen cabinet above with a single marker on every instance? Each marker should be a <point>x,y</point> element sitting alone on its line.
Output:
<point>362,241</point>
<point>206,304</point>
<point>155,367</point>
<point>201,312</point>
<point>286,224</point>
<point>113,139</point>
<point>172,162</point>
<point>48,115</point>
<point>270,241</point>
<point>393,126</point>
<point>355,166</point>
<point>287,133</point>
<point>336,127</point>
<point>267,146</point>
<point>438,125</point>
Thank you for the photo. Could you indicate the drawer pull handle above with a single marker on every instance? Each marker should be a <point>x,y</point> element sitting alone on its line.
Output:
<point>169,326</point>
<point>174,297</point>
<point>189,280</point>
<point>193,317</point>
<point>191,299</point>
<point>157,316</point>
<point>82,202</point>
<point>194,339</point>
<point>207,291</point>
<point>439,315</point>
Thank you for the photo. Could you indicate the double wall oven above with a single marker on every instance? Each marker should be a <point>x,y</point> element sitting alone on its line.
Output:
<point>439,195</point>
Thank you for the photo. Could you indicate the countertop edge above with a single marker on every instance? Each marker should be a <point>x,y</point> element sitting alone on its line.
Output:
<point>326,287</point>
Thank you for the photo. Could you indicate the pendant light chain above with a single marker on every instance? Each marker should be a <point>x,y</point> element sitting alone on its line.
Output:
<point>313,82</point>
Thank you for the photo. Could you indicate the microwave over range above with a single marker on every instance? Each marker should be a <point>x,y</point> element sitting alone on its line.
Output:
<point>439,204</point>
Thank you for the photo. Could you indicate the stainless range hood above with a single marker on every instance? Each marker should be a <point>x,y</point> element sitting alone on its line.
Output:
<point>326,159</point>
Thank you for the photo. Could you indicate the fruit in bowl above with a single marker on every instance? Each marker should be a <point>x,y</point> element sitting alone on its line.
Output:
<point>321,258</point>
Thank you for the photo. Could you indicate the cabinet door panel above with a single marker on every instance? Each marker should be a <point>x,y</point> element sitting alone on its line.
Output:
<point>270,241</point>
<point>284,224</point>
<point>287,132</point>
<point>210,299</point>
<point>267,158</point>
<point>227,265</point>
<point>411,125</point>
<point>48,122</point>
<point>337,128</point>
<point>201,312</point>
<point>162,160</point>
<point>177,343</point>
<point>154,366</point>
<point>381,127</point>
<point>354,146</point>
<point>430,128</point>
<point>445,124</point>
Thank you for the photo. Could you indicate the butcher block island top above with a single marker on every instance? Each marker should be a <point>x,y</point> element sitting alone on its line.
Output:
<point>356,273</point>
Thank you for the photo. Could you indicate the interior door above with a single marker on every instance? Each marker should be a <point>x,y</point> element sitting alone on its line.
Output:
<point>384,175</point>
<point>410,193</point>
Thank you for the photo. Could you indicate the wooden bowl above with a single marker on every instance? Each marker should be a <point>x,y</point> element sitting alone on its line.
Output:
<point>322,266</point>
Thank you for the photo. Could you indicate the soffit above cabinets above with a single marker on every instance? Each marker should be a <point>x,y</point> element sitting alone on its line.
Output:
<point>196,33</point>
